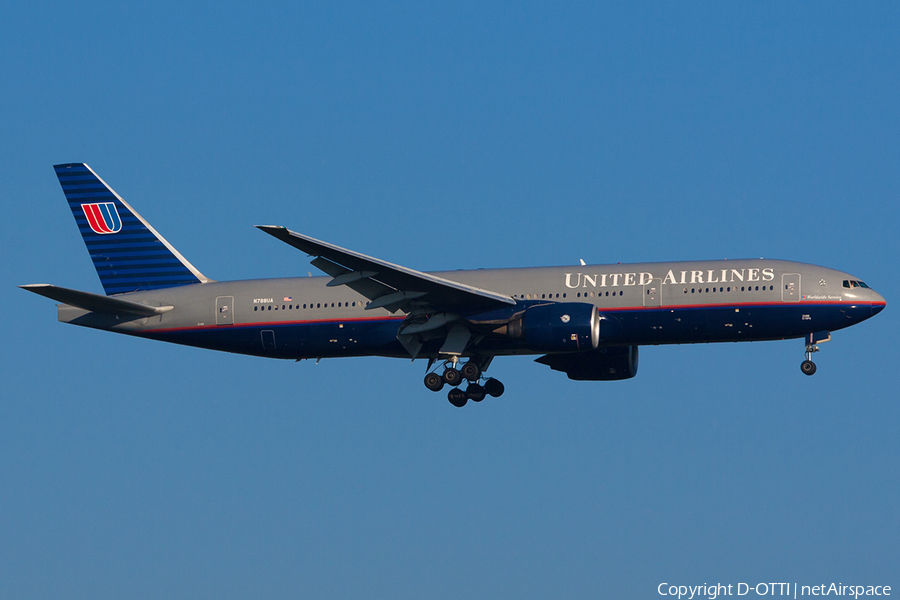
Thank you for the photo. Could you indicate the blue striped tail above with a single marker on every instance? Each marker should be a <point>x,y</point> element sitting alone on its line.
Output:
<point>127,252</point>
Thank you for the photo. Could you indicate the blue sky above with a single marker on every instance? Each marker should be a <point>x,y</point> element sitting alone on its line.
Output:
<point>443,137</point>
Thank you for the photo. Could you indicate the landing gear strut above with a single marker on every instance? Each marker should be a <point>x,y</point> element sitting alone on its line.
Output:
<point>808,366</point>
<point>471,372</point>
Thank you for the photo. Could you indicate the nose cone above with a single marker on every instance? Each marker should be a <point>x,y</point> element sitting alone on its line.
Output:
<point>878,303</point>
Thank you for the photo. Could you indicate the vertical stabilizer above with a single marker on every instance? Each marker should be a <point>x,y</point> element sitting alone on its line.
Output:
<point>128,253</point>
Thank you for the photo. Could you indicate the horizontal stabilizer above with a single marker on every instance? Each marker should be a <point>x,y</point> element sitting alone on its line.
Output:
<point>95,302</point>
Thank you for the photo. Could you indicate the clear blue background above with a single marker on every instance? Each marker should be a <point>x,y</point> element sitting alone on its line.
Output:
<point>442,137</point>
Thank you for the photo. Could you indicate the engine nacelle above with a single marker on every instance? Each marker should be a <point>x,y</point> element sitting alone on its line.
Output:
<point>557,327</point>
<point>605,364</point>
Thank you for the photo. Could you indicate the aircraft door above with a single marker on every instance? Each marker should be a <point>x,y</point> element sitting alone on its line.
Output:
<point>225,310</point>
<point>268,339</point>
<point>790,287</point>
<point>653,293</point>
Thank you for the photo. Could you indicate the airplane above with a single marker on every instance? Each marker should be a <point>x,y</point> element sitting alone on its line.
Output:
<point>586,321</point>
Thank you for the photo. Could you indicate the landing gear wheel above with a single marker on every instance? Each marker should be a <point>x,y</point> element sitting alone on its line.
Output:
<point>434,382</point>
<point>475,392</point>
<point>471,371</point>
<point>457,397</point>
<point>494,388</point>
<point>452,377</point>
<point>808,367</point>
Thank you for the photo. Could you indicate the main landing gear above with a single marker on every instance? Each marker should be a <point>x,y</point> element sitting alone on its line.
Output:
<point>470,372</point>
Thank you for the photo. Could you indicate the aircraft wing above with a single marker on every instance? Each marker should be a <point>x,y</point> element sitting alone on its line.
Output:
<point>388,285</point>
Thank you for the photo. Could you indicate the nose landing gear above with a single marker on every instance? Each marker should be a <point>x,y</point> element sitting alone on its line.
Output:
<point>808,366</point>
<point>470,372</point>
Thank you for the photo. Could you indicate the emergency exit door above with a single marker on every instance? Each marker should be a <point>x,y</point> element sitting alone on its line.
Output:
<point>790,287</point>
<point>225,310</point>
<point>653,293</point>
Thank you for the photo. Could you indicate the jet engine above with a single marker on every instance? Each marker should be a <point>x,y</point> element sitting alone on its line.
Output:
<point>556,327</point>
<point>603,364</point>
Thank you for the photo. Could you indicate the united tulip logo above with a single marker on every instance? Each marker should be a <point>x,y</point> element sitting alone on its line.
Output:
<point>102,217</point>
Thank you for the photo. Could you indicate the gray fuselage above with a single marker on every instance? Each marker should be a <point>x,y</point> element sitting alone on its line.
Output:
<point>643,303</point>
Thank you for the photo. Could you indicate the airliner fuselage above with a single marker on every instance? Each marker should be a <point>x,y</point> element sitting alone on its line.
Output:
<point>641,304</point>
<point>586,321</point>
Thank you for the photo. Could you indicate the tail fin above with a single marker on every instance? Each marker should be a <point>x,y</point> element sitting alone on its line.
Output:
<point>128,253</point>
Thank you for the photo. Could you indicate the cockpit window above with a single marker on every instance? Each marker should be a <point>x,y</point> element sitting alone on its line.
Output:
<point>852,283</point>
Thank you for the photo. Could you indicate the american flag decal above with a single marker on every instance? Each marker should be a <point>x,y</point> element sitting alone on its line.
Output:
<point>288,299</point>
